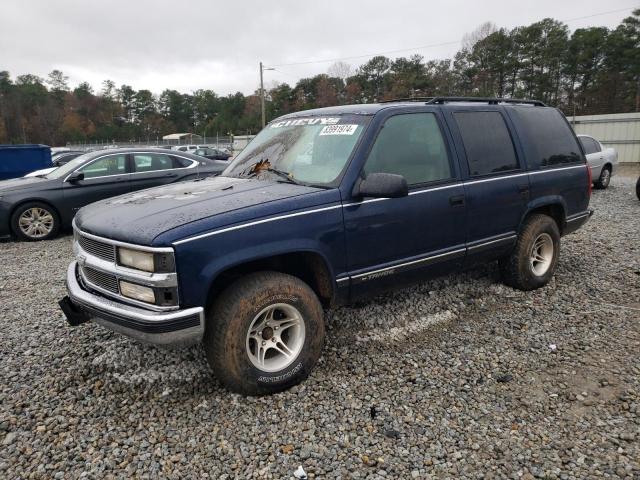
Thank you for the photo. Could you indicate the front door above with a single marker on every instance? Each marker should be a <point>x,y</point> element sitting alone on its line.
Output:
<point>394,240</point>
<point>105,177</point>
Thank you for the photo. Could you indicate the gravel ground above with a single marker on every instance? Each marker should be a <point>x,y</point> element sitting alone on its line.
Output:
<point>459,377</point>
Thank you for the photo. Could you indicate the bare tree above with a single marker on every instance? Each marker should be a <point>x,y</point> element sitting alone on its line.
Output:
<point>480,33</point>
<point>340,70</point>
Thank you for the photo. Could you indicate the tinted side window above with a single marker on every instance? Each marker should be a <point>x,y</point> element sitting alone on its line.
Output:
<point>410,145</point>
<point>546,137</point>
<point>589,145</point>
<point>487,142</point>
<point>109,165</point>
<point>150,162</point>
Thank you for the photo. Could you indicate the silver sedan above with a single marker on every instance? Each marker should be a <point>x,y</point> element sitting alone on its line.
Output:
<point>602,161</point>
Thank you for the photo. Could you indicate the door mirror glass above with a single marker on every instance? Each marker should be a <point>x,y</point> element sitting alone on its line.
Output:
<point>382,185</point>
<point>75,177</point>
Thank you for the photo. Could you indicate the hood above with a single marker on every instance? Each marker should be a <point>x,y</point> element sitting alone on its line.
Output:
<point>22,183</point>
<point>141,216</point>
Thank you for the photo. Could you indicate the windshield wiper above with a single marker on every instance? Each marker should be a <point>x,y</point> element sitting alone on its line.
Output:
<point>281,173</point>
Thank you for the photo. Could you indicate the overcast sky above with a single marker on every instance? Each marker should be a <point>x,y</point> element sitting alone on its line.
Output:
<point>187,45</point>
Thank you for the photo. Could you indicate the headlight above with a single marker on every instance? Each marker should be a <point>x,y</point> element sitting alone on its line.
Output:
<point>136,259</point>
<point>161,262</point>
<point>137,292</point>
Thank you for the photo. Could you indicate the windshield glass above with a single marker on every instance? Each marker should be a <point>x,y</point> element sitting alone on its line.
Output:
<point>312,150</point>
<point>70,166</point>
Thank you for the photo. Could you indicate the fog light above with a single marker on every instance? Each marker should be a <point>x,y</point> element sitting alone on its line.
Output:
<point>137,292</point>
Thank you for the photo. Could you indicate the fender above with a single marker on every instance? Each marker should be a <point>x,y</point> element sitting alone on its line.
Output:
<point>204,278</point>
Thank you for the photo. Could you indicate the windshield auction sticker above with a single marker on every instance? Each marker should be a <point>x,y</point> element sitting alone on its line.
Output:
<point>339,130</point>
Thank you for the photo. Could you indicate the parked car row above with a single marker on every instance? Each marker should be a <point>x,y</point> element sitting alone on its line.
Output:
<point>37,207</point>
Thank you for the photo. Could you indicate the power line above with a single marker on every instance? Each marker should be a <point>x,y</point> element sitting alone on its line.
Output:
<point>367,54</point>
<point>600,14</point>
<point>433,45</point>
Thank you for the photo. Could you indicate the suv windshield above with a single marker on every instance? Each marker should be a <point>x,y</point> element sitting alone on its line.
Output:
<point>311,150</point>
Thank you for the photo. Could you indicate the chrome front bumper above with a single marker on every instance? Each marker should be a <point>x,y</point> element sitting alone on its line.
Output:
<point>176,327</point>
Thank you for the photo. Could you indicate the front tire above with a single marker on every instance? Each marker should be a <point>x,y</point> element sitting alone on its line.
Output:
<point>264,334</point>
<point>604,179</point>
<point>35,221</point>
<point>535,256</point>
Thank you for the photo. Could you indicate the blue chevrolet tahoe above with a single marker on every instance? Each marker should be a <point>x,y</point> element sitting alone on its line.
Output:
<point>325,206</point>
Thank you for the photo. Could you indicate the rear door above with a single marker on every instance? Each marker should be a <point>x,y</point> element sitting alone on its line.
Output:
<point>104,177</point>
<point>496,183</point>
<point>150,169</point>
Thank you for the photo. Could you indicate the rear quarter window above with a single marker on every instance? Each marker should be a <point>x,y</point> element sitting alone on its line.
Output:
<point>546,137</point>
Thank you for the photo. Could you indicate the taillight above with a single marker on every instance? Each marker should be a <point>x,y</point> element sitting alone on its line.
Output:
<point>589,179</point>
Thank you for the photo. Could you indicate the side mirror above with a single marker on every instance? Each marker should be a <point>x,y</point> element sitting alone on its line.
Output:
<point>75,177</point>
<point>382,185</point>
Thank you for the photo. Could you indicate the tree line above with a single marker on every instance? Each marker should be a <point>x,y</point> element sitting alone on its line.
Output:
<point>589,71</point>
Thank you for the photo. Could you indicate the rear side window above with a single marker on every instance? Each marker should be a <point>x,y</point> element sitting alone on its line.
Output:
<point>547,138</point>
<point>589,145</point>
<point>487,142</point>
<point>150,162</point>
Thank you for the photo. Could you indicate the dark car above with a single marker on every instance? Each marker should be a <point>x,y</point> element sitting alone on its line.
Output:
<point>60,158</point>
<point>36,208</point>
<point>212,153</point>
<point>321,208</point>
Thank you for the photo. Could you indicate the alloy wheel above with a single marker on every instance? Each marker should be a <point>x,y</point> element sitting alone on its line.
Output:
<point>275,338</point>
<point>36,222</point>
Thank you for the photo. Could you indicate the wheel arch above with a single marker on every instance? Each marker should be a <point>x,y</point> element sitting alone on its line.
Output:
<point>553,207</point>
<point>308,265</point>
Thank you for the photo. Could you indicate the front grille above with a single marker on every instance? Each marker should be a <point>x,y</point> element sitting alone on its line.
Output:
<point>102,250</point>
<point>103,280</point>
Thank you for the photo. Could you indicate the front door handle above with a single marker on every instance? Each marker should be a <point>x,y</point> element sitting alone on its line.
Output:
<point>456,200</point>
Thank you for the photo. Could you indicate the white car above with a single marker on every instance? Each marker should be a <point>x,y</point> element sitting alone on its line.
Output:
<point>602,161</point>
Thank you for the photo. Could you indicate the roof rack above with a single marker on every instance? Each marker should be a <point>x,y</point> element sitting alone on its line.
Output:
<point>489,100</point>
<point>409,99</point>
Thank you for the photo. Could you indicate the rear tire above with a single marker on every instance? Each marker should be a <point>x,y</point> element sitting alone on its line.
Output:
<point>535,256</point>
<point>34,221</point>
<point>264,334</point>
<point>604,179</point>
<point>638,188</point>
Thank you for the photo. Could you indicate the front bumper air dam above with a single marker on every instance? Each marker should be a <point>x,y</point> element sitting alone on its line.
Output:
<point>177,327</point>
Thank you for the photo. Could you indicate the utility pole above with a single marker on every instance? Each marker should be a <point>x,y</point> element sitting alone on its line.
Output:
<point>262,69</point>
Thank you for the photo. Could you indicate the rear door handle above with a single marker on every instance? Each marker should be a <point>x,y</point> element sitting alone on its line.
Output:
<point>456,200</point>
<point>523,189</point>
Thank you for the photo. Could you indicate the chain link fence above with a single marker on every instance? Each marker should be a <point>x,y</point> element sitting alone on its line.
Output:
<point>230,143</point>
